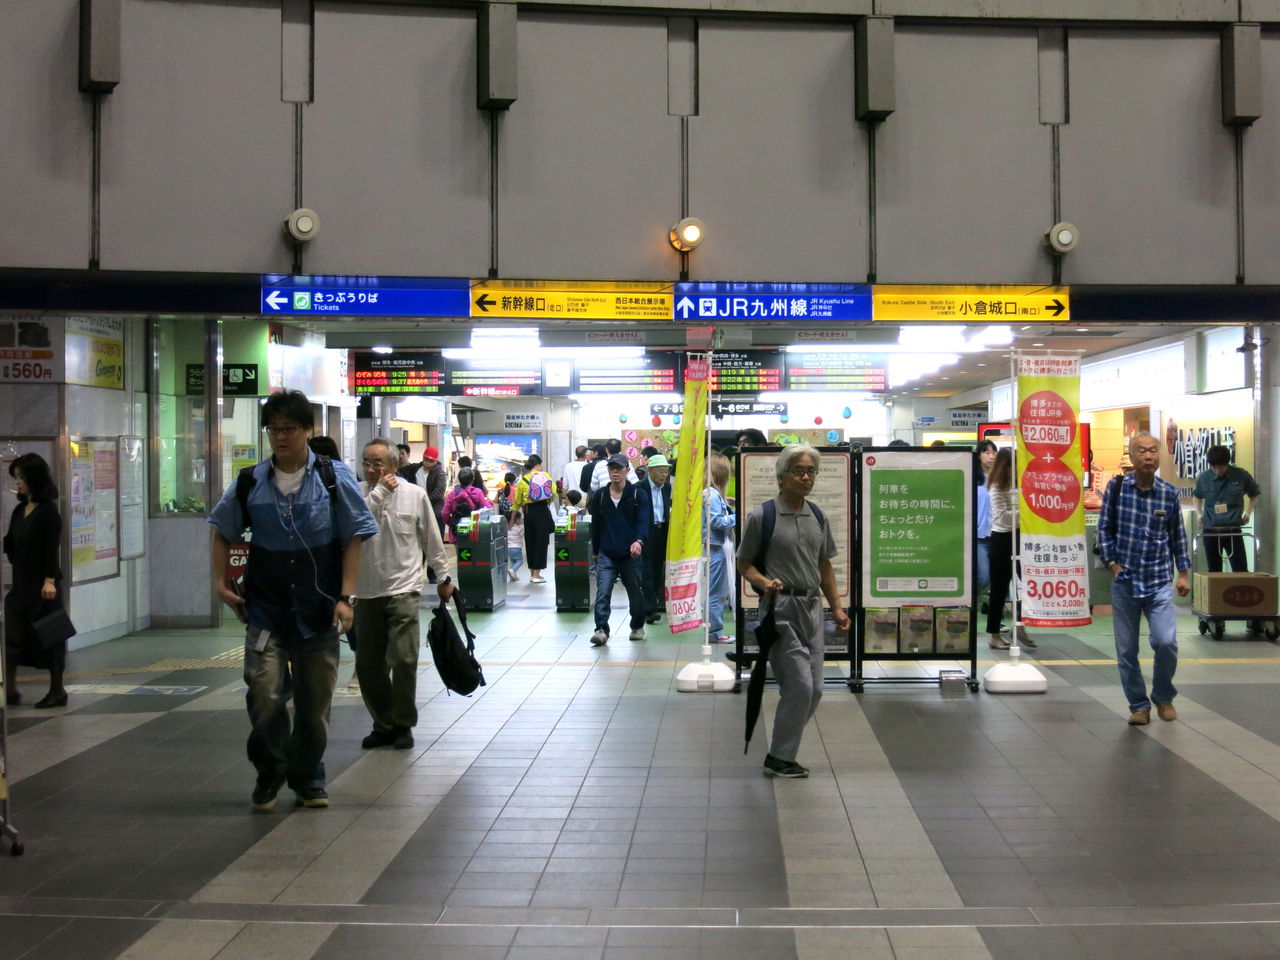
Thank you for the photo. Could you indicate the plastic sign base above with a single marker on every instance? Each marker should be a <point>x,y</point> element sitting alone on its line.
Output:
<point>705,676</point>
<point>1014,677</point>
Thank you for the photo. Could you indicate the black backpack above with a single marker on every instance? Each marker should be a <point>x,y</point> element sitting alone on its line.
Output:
<point>455,661</point>
<point>245,481</point>
<point>584,479</point>
<point>770,520</point>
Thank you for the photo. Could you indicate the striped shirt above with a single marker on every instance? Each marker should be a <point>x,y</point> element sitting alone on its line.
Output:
<point>1148,539</point>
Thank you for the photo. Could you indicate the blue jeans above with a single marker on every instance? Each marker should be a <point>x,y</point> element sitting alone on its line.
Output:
<point>1126,616</point>
<point>307,669</point>
<point>982,576</point>
<point>515,558</point>
<point>717,584</point>
<point>608,570</point>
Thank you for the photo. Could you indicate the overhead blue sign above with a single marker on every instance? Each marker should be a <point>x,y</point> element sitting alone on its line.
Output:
<point>366,296</point>
<point>773,301</point>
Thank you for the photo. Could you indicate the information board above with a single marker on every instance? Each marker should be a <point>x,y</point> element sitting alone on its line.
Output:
<point>917,527</point>
<point>95,548</point>
<point>131,455</point>
<point>496,377</point>
<point>746,371</point>
<point>658,371</point>
<point>831,370</point>
<point>832,492</point>
<point>408,373</point>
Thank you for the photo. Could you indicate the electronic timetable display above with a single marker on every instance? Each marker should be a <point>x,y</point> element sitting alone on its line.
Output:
<point>504,376</point>
<point>829,370</point>
<point>746,371</point>
<point>410,373</point>
<point>658,371</point>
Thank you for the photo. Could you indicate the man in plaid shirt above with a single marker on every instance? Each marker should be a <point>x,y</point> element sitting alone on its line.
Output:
<point>1140,540</point>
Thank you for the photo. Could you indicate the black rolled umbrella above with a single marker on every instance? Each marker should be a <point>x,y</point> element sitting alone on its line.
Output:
<point>766,634</point>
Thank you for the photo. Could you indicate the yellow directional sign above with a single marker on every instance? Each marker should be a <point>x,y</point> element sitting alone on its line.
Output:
<point>976,304</point>
<point>570,300</point>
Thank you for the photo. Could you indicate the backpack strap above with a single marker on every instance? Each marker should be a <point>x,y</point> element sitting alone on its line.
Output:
<point>769,516</point>
<point>245,482</point>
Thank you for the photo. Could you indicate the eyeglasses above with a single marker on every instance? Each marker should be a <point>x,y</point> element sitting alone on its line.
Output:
<point>288,431</point>
<point>803,471</point>
<point>370,463</point>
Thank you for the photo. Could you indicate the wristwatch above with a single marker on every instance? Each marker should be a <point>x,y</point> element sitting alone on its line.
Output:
<point>348,599</point>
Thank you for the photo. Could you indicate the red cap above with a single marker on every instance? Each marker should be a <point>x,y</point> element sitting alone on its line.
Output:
<point>431,453</point>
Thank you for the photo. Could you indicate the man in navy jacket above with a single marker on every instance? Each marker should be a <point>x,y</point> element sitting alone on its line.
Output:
<point>620,515</point>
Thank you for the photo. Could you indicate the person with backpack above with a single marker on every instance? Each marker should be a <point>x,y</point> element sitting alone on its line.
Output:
<point>307,521</point>
<point>534,494</point>
<point>387,592</point>
<point>462,501</point>
<point>785,553</point>
<point>619,527</point>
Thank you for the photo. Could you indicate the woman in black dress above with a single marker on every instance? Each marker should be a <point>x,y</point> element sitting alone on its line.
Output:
<point>35,530</point>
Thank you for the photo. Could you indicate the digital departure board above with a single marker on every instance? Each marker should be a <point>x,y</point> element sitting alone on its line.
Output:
<point>838,372</point>
<point>746,371</point>
<point>501,376</point>
<point>658,371</point>
<point>397,374</point>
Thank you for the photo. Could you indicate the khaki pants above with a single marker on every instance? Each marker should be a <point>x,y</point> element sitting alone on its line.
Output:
<point>387,659</point>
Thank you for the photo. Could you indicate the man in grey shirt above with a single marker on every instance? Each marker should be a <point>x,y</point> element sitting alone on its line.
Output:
<point>796,575</point>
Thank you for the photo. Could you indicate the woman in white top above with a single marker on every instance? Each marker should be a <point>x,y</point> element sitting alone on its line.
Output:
<point>1004,520</point>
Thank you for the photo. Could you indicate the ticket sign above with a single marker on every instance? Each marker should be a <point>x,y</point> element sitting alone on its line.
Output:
<point>411,373</point>
<point>364,296</point>
<point>552,300</point>
<point>746,371</point>
<point>976,304</point>
<point>825,370</point>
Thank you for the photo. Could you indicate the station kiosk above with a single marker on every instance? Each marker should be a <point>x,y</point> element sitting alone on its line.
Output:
<point>575,586</point>
<point>482,560</point>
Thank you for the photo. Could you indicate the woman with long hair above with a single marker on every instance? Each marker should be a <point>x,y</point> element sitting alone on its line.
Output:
<point>1004,521</point>
<point>986,457</point>
<point>539,524</point>
<point>31,544</point>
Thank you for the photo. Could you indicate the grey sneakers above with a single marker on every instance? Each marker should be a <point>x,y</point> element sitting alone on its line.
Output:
<point>636,634</point>
<point>599,638</point>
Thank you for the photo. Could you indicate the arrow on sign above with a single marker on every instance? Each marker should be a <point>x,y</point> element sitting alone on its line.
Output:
<point>1057,307</point>
<point>562,554</point>
<point>276,299</point>
<point>464,554</point>
<point>484,302</point>
<point>685,306</point>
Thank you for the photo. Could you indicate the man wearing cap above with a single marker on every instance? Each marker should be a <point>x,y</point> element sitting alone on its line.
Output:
<point>430,476</point>
<point>620,516</point>
<point>657,485</point>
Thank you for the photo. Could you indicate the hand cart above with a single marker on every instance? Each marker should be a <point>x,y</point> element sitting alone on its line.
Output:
<point>1215,624</point>
<point>7,830</point>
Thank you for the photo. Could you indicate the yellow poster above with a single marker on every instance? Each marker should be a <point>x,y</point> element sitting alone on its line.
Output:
<point>686,584</point>
<point>1055,568</point>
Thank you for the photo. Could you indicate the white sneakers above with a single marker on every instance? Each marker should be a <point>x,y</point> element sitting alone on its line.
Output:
<point>636,634</point>
<point>599,638</point>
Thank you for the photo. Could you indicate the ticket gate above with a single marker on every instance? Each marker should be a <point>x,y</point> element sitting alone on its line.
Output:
<point>482,560</point>
<point>575,580</point>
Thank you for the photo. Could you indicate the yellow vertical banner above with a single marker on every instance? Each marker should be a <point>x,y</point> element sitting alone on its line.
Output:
<point>685,582</point>
<point>1055,564</point>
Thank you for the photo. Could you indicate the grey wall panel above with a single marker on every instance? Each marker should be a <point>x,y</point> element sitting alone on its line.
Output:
<point>46,145</point>
<point>590,163</point>
<point>964,167</point>
<point>1261,163</point>
<point>197,148</point>
<point>777,164</point>
<point>1147,167</point>
<point>395,151</point>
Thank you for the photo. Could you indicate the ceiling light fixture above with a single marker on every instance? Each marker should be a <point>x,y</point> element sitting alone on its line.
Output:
<point>687,234</point>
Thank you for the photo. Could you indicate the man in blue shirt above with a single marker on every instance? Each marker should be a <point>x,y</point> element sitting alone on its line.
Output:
<point>1140,540</point>
<point>657,485</point>
<point>619,528</point>
<point>304,560</point>
<point>1220,494</point>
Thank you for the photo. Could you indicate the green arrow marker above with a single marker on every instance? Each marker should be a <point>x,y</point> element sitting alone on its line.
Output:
<point>562,555</point>
<point>464,554</point>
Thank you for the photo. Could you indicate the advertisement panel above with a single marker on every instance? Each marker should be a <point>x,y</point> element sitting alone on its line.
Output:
<point>1055,562</point>
<point>686,582</point>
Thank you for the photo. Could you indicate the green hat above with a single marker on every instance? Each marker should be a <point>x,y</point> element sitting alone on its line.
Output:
<point>658,460</point>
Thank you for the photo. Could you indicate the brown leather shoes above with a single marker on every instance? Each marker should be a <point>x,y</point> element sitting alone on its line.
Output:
<point>1140,718</point>
<point>1165,711</point>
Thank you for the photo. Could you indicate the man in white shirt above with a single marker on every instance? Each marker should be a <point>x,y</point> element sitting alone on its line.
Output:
<point>571,475</point>
<point>386,612</point>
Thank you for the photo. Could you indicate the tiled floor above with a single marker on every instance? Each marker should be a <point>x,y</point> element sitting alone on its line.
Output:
<point>578,807</point>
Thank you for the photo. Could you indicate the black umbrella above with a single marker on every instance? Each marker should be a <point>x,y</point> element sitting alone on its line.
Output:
<point>766,634</point>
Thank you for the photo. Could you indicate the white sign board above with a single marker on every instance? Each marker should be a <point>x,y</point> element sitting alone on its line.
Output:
<point>522,421</point>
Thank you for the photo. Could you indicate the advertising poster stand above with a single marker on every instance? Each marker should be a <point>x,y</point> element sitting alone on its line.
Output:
<point>833,492</point>
<point>913,567</point>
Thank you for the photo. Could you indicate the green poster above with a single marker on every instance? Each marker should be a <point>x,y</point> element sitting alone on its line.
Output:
<point>916,543</point>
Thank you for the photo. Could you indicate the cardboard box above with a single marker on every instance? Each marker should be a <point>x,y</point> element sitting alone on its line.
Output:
<point>1234,594</point>
<point>881,630</point>
<point>951,630</point>
<point>915,629</point>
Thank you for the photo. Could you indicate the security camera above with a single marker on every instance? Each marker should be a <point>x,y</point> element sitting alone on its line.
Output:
<point>302,225</point>
<point>1062,237</point>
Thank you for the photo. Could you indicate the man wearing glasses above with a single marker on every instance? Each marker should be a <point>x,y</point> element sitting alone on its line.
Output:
<point>793,572</point>
<point>387,593</point>
<point>307,523</point>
